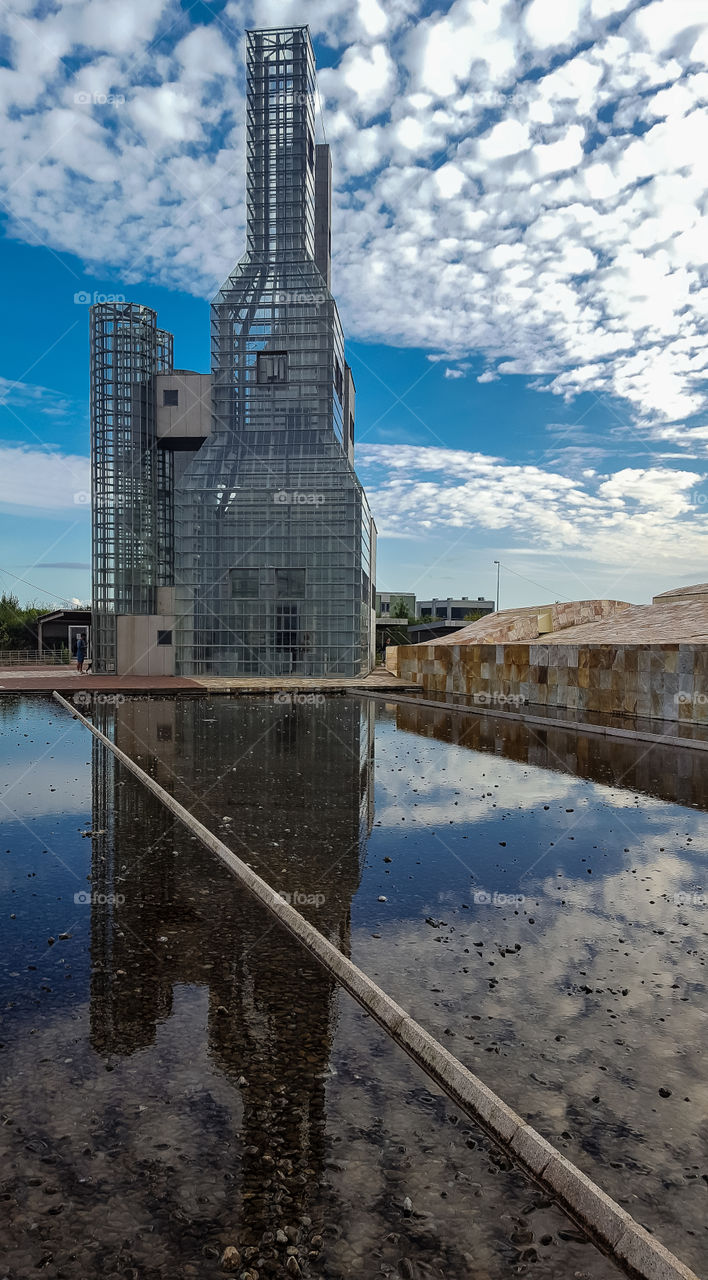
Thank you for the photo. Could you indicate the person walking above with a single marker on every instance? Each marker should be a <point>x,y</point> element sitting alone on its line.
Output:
<point>80,653</point>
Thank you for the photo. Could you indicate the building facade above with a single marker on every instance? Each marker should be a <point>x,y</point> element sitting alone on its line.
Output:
<point>454,610</point>
<point>256,524</point>
<point>388,601</point>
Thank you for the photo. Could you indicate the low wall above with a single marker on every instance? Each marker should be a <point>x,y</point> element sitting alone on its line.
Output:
<point>660,681</point>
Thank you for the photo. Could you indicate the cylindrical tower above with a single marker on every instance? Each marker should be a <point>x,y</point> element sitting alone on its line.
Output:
<point>131,480</point>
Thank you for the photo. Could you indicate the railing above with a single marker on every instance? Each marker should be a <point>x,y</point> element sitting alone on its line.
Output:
<point>31,658</point>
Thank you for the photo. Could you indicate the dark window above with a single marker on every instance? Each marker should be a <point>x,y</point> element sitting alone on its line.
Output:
<point>286,634</point>
<point>164,637</point>
<point>457,614</point>
<point>351,426</point>
<point>272,367</point>
<point>338,379</point>
<point>289,584</point>
<point>310,151</point>
<point>170,397</point>
<point>425,613</point>
<point>244,583</point>
<point>441,612</point>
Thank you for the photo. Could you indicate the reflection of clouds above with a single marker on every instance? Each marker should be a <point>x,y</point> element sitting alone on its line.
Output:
<point>550,1029</point>
<point>473,773</point>
<point>46,774</point>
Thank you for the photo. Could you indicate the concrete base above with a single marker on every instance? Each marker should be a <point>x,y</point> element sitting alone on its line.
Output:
<point>138,650</point>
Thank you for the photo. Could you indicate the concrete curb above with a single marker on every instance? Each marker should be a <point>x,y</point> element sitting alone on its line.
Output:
<point>633,1249</point>
<point>546,722</point>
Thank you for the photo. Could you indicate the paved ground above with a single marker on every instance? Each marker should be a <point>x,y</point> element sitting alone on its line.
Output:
<point>67,680</point>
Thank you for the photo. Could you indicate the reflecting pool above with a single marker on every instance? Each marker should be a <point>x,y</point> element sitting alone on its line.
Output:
<point>179,1079</point>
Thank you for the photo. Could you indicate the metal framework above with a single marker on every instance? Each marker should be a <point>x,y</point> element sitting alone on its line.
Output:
<point>131,479</point>
<point>274,541</point>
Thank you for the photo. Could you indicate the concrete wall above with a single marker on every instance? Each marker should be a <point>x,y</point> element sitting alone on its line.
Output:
<point>660,681</point>
<point>138,653</point>
<point>190,418</point>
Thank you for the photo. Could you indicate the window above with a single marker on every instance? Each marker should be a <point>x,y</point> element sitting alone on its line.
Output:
<point>457,614</point>
<point>170,397</point>
<point>289,584</point>
<point>272,367</point>
<point>425,613</point>
<point>244,584</point>
<point>351,426</point>
<point>286,633</point>
<point>164,637</point>
<point>338,379</point>
<point>310,151</point>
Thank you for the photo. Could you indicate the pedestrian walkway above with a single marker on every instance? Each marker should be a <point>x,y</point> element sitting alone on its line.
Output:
<point>67,680</point>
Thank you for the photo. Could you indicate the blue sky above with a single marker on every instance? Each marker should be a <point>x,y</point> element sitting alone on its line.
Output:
<point>520,224</point>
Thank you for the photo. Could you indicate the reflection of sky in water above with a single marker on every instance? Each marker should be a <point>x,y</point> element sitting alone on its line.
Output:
<point>576,1007</point>
<point>454,820</point>
<point>46,799</point>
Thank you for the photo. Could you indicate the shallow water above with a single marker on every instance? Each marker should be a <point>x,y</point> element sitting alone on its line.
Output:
<point>178,1077</point>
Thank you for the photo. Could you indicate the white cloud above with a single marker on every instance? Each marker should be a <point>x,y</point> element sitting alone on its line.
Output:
<point>632,517</point>
<point>556,219</point>
<point>549,23</point>
<point>29,395</point>
<point>506,139</point>
<point>46,481</point>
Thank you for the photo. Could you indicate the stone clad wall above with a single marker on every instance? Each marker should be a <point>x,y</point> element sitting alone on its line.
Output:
<point>661,681</point>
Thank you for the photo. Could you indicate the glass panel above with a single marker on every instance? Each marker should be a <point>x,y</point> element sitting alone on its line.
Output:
<point>244,583</point>
<point>289,584</point>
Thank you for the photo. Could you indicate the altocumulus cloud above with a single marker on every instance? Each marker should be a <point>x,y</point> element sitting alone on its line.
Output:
<point>518,177</point>
<point>610,520</point>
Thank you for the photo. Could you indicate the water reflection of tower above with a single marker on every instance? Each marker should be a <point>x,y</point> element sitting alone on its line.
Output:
<point>290,788</point>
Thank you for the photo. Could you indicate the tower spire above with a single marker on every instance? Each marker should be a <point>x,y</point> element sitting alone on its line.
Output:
<point>280,142</point>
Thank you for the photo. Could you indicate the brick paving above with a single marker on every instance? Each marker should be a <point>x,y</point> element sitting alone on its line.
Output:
<point>65,680</point>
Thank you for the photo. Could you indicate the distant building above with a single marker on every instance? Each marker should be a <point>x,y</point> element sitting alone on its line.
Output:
<point>386,602</point>
<point>426,632</point>
<point>454,610</point>
<point>61,630</point>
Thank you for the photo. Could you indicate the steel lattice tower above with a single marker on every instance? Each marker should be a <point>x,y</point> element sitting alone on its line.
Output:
<point>274,541</point>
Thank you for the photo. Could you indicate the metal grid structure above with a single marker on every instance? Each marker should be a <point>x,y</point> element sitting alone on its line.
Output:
<point>274,541</point>
<point>131,479</point>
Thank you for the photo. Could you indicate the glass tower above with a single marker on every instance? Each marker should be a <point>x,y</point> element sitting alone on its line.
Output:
<point>131,478</point>
<point>274,541</point>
